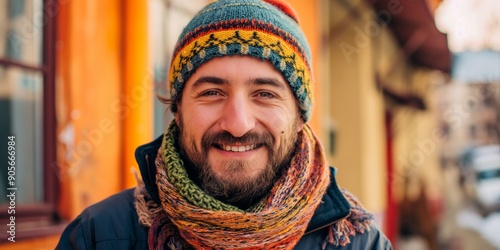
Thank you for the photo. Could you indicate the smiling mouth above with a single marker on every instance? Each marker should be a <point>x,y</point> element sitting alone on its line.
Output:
<point>236,148</point>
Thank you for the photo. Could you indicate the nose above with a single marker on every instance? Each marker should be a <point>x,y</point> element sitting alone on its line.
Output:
<point>238,117</point>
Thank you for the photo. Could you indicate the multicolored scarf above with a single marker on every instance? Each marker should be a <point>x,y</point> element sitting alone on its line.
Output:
<point>188,218</point>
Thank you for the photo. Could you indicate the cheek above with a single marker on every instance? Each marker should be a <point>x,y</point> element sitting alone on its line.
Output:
<point>202,115</point>
<point>278,121</point>
<point>198,119</point>
<point>190,129</point>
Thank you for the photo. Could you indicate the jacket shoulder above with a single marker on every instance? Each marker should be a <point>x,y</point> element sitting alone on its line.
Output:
<point>372,239</point>
<point>109,224</point>
<point>339,205</point>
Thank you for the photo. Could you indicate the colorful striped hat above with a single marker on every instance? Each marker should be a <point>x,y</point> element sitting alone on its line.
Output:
<point>265,29</point>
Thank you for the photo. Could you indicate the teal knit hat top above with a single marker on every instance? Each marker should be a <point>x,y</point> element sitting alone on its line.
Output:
<point>265,29</point>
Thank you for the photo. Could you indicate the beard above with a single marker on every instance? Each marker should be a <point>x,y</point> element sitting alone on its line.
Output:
<point>242,191</point>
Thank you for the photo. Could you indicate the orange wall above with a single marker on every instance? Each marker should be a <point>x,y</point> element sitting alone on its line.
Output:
<point>88,82</point>
<point>105,93</point>
<point>138,86</point>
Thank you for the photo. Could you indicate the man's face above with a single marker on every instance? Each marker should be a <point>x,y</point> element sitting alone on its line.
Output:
<point>239,121</point>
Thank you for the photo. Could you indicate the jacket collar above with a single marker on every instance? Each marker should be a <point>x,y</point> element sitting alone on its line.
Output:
<point>333,207</point>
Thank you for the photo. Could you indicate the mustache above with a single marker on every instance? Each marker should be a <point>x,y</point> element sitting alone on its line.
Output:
<point>224,137</point>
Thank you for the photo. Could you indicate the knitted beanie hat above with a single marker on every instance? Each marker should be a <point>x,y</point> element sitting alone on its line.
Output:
<point>265,29</point>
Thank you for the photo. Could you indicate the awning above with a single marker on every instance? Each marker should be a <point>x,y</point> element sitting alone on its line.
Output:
<point>413,25</point>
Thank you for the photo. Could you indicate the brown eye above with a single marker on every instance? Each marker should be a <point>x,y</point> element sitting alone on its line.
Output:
<point>210,93</point>
<point>265,94</point>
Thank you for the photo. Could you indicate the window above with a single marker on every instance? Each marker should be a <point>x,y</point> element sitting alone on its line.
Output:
<point>27,38</point>
<point>167,19</point>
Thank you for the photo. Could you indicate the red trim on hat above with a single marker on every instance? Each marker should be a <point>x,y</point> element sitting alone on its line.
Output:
<point>285,8</point>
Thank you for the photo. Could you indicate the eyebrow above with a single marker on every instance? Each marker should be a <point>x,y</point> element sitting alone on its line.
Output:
<point>209,79</point>
<point>267,81</point>
<point>221,81</point>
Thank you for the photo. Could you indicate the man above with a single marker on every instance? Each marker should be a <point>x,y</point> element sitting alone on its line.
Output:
<point>238,168</point>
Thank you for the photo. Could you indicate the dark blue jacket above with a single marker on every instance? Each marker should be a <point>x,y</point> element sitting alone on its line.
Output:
<point>113,223</point>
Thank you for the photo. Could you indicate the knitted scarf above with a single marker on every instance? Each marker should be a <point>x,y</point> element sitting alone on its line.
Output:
<point>188,218</point>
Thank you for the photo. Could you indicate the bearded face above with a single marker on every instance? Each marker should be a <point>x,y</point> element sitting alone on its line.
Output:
<point>238,128</point>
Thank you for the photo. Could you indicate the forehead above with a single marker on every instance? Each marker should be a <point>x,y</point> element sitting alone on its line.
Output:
<point>229,69</point>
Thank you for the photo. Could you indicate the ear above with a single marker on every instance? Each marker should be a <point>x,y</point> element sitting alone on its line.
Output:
<point>300,125</point>
<point>176,118</point>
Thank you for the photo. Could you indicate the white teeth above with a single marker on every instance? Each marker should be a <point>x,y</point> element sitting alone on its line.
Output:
<point>238,148</point>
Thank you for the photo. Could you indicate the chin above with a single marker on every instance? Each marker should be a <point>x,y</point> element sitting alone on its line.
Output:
<point>238,171</point>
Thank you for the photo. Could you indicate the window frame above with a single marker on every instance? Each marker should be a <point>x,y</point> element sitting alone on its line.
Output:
<point>42,218</point>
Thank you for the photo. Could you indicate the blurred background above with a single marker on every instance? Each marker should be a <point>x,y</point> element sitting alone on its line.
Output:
<point>407,105</point>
